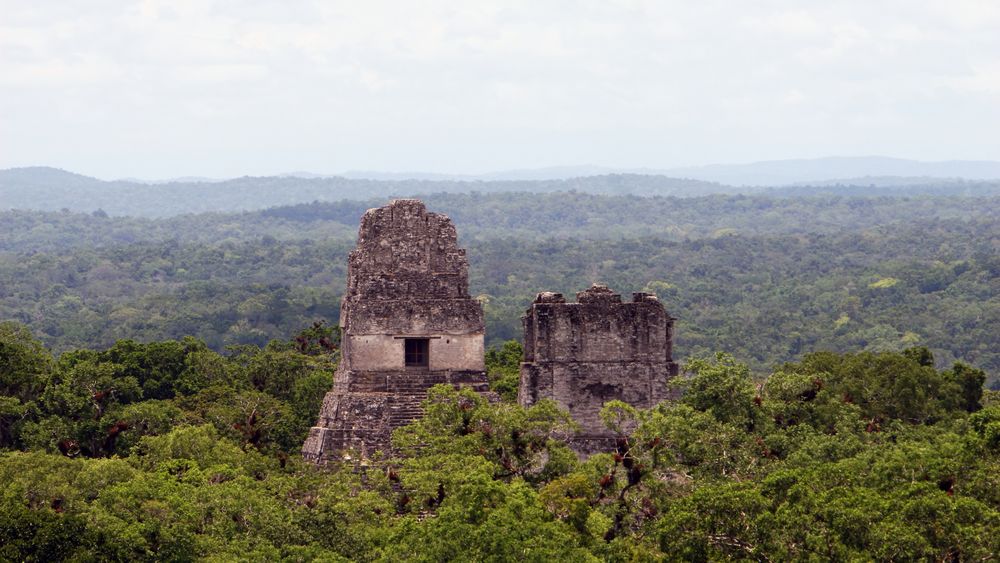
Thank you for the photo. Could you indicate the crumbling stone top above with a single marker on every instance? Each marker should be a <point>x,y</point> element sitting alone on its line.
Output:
<point>405,252</point>
<point>549,297</point>
<point>598,293</point>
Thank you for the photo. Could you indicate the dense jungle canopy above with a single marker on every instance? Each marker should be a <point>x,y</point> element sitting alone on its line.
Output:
<point>158,376</point>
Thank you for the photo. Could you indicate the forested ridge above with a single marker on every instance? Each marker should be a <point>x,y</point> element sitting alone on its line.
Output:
<point>766,279</point>
<point>50,189</point>
<point>483,216</point>
<point>158,377</point>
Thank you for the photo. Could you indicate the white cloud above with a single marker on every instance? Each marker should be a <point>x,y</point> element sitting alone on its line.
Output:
<point>985,79</point>
<point>134,88</point>
<point>796,24</point>
<point>203,73</point>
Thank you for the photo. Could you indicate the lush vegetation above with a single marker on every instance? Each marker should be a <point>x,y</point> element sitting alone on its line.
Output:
<point>486,216</point>
<point>152,403</point>
<point>766,279</point>
<point>170,451</point>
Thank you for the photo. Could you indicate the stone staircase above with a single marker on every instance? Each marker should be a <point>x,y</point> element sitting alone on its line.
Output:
<point>408,390</point>
<point>405,409</point>
<point>376,403</point>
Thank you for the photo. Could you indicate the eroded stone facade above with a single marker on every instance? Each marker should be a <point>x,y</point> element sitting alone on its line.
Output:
<point>407,323</point>
<point>596,350</point>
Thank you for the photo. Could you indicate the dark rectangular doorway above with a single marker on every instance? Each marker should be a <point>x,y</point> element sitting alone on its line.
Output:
<point>417,352</point>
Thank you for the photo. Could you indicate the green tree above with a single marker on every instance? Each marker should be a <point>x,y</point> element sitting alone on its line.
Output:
<point>503,368</point>
<point>24,368</point>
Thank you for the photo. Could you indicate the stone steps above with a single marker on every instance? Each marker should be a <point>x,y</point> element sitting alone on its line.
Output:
<point>405,407</point>
<point>397,396</point>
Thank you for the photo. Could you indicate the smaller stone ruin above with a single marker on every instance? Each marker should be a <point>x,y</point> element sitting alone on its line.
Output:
<point>598,349</point>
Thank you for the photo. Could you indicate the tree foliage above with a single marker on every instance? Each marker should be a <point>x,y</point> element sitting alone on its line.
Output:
<point>152,404</point>
<point>834,457</point>
<point>766,279</point>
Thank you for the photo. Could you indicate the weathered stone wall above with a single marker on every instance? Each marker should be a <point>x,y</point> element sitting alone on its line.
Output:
<point>384,352</point>
<point>404,252</point>
<point>412,316</point>
<point>407,278</point>
<point>598,349</point>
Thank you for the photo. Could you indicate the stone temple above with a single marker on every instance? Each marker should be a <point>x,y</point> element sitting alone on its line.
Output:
<point>596,350</point>
<point>407,323</point>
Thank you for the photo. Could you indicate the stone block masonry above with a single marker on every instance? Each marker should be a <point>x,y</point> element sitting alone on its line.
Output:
<point>598,349</point>
<point>407,323</point>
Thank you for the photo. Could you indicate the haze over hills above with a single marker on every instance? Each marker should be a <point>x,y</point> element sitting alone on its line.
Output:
<point>525,174</point>
<point>179,179</point>
<point>49,189</point>
<point>804,171</point>
<point>861,170</point>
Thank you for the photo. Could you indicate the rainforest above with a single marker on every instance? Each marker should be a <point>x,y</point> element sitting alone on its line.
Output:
<point>159,376</point>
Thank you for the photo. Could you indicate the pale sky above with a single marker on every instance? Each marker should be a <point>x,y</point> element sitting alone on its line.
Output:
<point>166,88</point>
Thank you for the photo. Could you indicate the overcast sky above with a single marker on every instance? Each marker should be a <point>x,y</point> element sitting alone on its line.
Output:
<point>166,88</point>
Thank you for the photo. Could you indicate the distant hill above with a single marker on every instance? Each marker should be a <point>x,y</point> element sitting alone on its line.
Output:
<point>180,179</point>
<point>527,174</point>
<point>50,189</point>
<point>841,169</point>
<point>855,171</point>
<point>884,181</point>
<point>44,177</point>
